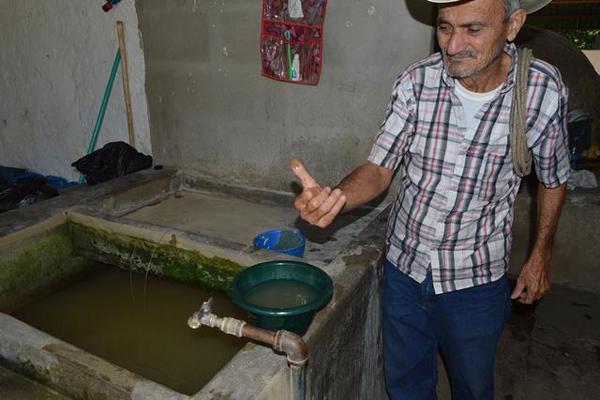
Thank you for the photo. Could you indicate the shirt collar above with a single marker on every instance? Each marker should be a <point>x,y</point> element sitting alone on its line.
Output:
<point>509,48</point>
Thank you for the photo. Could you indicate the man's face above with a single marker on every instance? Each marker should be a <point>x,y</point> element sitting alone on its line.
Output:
<point>471,36</point>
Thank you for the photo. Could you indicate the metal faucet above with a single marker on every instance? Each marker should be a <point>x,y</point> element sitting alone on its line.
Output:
<point>195,321</point>
<point>292,345</point>
<point>205,316</point>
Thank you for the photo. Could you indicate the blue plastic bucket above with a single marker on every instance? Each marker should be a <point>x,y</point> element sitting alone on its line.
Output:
<point>285,241</point>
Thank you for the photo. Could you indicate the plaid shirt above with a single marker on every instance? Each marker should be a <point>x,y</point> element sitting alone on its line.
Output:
<point>454,208</point>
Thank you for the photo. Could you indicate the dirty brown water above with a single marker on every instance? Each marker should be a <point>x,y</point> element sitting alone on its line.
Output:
<point>281,293</point>
<point>140,323</point>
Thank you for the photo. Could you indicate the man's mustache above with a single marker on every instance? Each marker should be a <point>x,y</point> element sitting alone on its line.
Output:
<point>461,54</point>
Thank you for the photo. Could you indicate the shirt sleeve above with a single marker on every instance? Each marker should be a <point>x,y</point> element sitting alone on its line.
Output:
<point>549,145</point>
<point>398,127</point>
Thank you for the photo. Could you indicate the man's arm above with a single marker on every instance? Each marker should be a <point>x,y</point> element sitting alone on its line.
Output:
<point>320,205</point>
<point>534,281</point>
<point>364,184</point>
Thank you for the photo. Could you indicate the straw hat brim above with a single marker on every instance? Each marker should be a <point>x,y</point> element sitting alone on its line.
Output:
<point>528,5</point>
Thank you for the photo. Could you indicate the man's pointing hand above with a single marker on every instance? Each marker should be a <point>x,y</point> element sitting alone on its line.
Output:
<point>317,205</point>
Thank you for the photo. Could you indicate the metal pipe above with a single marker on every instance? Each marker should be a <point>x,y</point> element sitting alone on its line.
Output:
<point>297,382</point>
<point>258,334</point>
<point>292,345</point>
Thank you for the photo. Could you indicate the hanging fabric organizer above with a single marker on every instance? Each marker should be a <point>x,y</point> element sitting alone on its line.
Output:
<point>291,40</point>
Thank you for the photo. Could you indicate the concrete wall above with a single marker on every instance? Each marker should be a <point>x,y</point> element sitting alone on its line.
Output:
<point>576,252</point>
<point>212,113</point>
<point>594,57</point>
<point>577,71</point>
<point>55,59</point>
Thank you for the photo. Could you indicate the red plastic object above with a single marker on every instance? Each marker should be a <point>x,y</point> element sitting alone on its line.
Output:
<point>284,40</point>
<point>110,4</point>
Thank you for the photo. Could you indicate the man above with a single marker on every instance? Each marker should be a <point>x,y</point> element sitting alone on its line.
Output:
<point>449,232</point>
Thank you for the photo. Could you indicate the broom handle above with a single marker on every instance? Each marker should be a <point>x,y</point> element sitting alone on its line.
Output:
<point>125,73</point>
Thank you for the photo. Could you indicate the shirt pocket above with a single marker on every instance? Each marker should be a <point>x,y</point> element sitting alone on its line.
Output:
<point>496,177</point>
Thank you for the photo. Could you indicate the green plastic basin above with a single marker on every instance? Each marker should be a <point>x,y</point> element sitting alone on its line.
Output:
<point>295,319</point>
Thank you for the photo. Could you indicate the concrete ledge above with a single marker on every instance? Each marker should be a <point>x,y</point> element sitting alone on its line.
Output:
<point>92,199</point>
<point>17,387</point>
<point>68,368</point>
<point>345,338</point>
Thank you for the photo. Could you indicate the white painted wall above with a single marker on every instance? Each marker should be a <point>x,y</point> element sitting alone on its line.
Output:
<point>55,59</point>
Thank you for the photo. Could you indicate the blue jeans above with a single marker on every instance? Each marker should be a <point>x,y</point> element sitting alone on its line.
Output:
<point>464,325</point>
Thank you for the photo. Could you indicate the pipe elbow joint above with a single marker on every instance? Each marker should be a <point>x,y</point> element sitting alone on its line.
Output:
<point>293,346</point>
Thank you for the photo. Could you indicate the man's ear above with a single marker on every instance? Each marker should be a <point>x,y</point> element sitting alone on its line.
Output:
<point>516,21</point>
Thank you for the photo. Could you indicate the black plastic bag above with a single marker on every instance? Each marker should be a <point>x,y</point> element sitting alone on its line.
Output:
<point>113,160</point>
<point>24,192</point>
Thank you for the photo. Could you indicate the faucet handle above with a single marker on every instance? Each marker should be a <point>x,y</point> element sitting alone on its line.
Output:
<point>195,320</point>
<point>207,306</point>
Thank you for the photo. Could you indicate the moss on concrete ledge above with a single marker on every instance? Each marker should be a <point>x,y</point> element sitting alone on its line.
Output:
<point>40,374</point>
<point>143,256</point>
<point>43,262</point>
<point>35,266</point>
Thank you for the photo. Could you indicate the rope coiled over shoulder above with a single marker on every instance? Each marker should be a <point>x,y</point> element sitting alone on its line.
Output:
<point>521,154</point>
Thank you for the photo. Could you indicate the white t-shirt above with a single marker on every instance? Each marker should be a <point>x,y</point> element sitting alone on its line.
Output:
<point>472,102</point>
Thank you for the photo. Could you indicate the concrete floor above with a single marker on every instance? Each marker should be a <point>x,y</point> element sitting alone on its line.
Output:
<point>552,350</point>
<point>549,351</point>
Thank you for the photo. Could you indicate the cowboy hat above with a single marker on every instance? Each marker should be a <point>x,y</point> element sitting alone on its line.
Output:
<point>528,5</point>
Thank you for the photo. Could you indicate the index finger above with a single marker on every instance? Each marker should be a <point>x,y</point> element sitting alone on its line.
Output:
<point>302,174</point>
<point>519,287</point>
